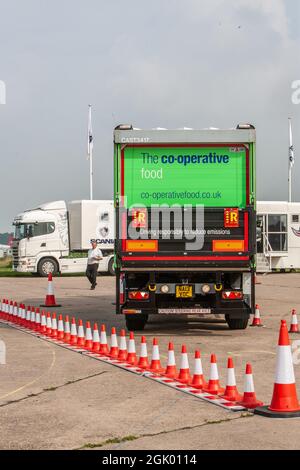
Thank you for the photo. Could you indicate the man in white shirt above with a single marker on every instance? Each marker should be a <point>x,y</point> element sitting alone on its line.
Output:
<point>94,256</point>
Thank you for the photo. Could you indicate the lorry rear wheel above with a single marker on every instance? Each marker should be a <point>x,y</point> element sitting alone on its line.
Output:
<point>236,323</point>
<point>137,323</point>
<point>46,266</point>
<point>111,268</point>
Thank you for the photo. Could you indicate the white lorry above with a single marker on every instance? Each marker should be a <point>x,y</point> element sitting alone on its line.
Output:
<point>54,237</point>
<point>278,236</point>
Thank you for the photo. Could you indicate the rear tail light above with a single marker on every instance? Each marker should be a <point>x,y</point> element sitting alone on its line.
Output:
<point>138,295</point>
<point>232,294</point>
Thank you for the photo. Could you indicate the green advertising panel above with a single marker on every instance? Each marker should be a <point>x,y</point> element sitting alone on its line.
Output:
<point>212,176</point>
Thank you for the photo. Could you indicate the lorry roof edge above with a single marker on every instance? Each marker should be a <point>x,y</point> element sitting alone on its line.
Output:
<point>185,136</point>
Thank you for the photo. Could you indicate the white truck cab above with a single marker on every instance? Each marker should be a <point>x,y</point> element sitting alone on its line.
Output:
<point>54,237</point>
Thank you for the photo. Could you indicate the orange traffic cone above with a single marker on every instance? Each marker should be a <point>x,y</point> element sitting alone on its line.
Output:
<point>284,402</point>
<point>231,392</point>
<point>54,326</point>
<point>131,356</point>
<point>88,343</point>
<point>184,371</point>
<point>249,398</point>
<point>48,324</point>
<point>37,320</point>
<point>28,318</point>
<point>171,370</point>
<point>43,328</point>
<point>103,342</point>
<point>60,328</point>
<point>32,319</point>
<point>80,335</point>
<point>114,348</point>
<point>19,315</point>
<point>155,365</point>
<point>96,339</point>
<point>122,356</point>
<point>198,378</point>
<point>67,331</point>
<point>15,312</point>
<point>256,319</point>
<point>50,297</point>
<point>73,333</point>
<point>143,361</point>
<point>213,387</point>
<point>11,310</point>
<point>294,322</point>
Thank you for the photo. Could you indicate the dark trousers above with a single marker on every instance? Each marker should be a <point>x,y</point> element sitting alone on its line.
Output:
<point>91,273</point>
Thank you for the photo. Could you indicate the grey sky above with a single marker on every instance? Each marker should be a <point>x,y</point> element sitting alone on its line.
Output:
<point>162,63</point>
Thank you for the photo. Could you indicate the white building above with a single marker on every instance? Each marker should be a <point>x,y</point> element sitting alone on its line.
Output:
<point>5,250</point>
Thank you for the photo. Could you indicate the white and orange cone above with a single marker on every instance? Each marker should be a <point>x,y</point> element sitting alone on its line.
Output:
<point>294,328</point>
<point>114,348</point>
<point>88,343</point>
<point>23,316</point>
<point>19,316</point>
<point>122,356</point>
<point>80,335</point>
<point>249,399</point>
<point>50,297</point>
<point>48,324</point>
<point>231,392</point>
<point>67,330</point>
<point>171,370</point>
<point>143,360</point>
<point>256,318</point>
<point>184,375</point>
<point>213,387</point>
<point>43,327</point>
<point>131,356</point>
<point>32,318</point>
<point>28,317</point>
<point>198,378</point>
<point>155,365</point>
<point>103,341</point>
<point>96,339</point>
<point>60,328</point>
<point>11,310</point>
<point>284,403</point>
<point>15,312</point>
<point>37,320</point>
<point>73,333</point>
<point>54,326</point>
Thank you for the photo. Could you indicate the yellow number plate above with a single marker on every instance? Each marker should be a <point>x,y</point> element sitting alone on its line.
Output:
<point>184,291</point>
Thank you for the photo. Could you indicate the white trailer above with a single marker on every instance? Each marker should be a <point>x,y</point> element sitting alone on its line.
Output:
<point>278,236</point>
<point>54,237</point>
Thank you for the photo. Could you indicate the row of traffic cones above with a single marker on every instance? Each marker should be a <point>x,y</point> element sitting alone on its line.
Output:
<point>284,401</point>
<point>73,334</point>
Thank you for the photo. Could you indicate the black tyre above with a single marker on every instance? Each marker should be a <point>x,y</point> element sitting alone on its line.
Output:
<point>137,323</point>
<point>47,266</point>
<point>237,323</point>
<point>111,268</point>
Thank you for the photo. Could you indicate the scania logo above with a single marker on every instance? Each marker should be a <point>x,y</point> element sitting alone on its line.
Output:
<point>99,241</point>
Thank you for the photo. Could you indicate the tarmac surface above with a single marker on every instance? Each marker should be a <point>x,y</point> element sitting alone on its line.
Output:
<point>52,398</point>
